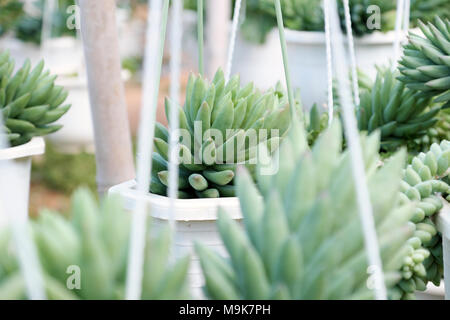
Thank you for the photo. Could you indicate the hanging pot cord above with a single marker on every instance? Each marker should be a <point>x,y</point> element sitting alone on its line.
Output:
<point>232,43</point>
<point>351,48</point>
<point>175,71</point>
<point>353,140</point>
<point>326,10</point>
<point>156,29</point>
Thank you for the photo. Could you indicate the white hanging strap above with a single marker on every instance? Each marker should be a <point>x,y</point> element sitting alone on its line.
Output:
<point>175,66</point>
<point>26,250</point>
<point>231,44</point>
<point>326,10</point>
<point>406,16</point>
<point>351,48</point>
<point>352,135</point>
<point>156,29</point>
<point>398,31</point>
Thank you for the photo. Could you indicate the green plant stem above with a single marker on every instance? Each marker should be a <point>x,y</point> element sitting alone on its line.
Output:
<point>200,35</point>
<point>285,59</point>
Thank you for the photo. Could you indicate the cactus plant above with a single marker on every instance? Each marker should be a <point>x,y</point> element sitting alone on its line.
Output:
<point>95,240</point>
<point>29,100</point>
<point>424,180</point>
<point>401,114</point>
<point>303,237</point>
<point>425,65</point>
<point>221,125</point>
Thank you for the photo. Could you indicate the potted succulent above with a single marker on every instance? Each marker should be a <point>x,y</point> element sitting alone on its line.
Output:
<point>299,218</point>
<point>30,103</point>
<point>218,123</point>
<point>85,257</point>
<point>304,22</point>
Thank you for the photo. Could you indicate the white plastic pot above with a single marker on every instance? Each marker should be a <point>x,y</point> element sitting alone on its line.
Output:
<point>77,132</point>
<point>261,64</point>
<point>196,221</point>
<point>63,56</point>
<point>307,60</point>
<point>15,177</point>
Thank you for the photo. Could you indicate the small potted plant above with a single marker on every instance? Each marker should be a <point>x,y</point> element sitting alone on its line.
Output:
<point>221,125</point>
<point>30,103</point>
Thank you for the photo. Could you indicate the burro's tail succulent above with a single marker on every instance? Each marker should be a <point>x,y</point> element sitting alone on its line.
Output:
<point>221,125</point>
<point>85,257</point>
<point>303,237</point>
<point>29,101</point>
<point>425,65</point>
<point>426,183</point>
<point>401,114</point>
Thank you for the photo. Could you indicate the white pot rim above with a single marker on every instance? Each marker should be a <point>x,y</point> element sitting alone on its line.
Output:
<point>34,147</point>
<point>318,37</point>
<point>185,209</point>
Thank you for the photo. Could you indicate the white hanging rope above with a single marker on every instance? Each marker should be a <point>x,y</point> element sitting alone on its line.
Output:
<point>359,176</point>
<point>156,27</point>
<point>398,31</point>
<point>175,66</point>
<point>326,10</point>
<point>26,250</point>
<point>231,44</point>
<point>351,48</point>
<point>406,16</point>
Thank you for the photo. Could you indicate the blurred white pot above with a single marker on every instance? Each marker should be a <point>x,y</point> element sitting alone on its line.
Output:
<point>432,292</point>
<point>307,60</point>
<point>77,133</point>
<point>20,51</point>
<point>63,55</point>
<point>260,63</point>
<point>15,177</point>
<point>196,221</point>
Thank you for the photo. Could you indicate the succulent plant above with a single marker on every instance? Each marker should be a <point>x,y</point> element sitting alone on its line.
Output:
<point>425,65</point>
<point>439,132</point>
<point>303,236</point>
<point>425,179</point>
<point>221,126</point>
<point>401,114</point>
<point>95,240</point>
<point>29,100</point>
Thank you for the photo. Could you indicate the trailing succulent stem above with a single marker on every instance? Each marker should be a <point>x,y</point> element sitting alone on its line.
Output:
<point>425,183</point>
<point>29,101</point>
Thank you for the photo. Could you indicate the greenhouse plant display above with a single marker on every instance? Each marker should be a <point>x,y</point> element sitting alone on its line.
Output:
<point>89,251</point>
<point>30,103</point>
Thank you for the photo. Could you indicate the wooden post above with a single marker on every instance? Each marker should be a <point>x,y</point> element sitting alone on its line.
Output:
<point>217,30</point>
<point>106,92</point>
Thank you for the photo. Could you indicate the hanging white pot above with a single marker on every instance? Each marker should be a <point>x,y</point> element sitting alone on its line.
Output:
<point>261,64</point>
<point>195,222</point>
<point>307,60</point>
<point>77,132</point>
<point>15,177</point>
